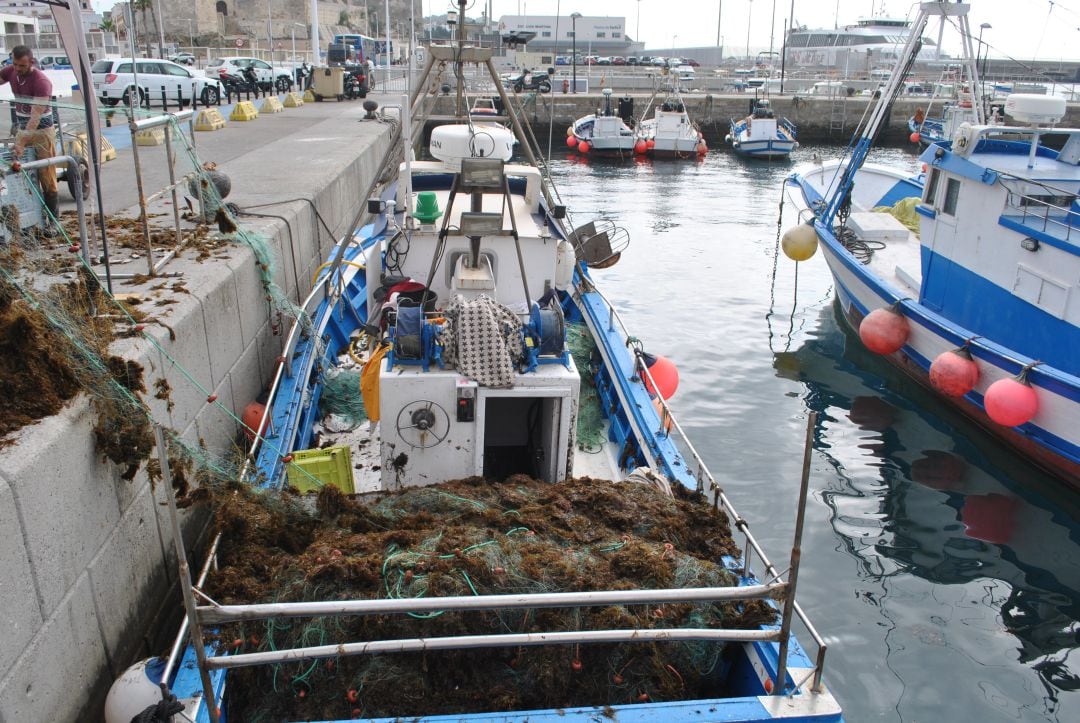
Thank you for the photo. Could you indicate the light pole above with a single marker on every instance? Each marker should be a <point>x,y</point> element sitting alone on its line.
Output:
<point>986,57</point>
<point>191,33</point>
<point>292,35</point>
<point>749,10</point>
<point>573,46</point>
<point>719,14</point>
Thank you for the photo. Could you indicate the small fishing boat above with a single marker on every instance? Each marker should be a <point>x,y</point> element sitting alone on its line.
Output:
<point>976,296</point>
<point>670,133</point>
<point>959,106</point>
<point>459,301</point>
<point>761,134</point>
<point>604,133</point>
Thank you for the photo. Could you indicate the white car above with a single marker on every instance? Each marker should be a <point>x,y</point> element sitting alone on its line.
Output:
<point>114,81</point>
<point>235,65</point>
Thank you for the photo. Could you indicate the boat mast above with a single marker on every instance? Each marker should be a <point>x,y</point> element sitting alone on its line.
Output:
<point>892,89</point>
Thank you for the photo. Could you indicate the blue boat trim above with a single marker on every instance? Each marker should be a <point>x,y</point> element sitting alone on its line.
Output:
<point>1018,224</point>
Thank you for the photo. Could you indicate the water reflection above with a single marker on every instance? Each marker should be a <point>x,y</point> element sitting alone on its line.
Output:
<point>922,493</point>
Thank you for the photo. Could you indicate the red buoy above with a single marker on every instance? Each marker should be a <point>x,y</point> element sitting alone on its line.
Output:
<point>1011,402</point>
<point>884,331</point>
<point>650,143</point>
<point>702,147</point>
<point>954,373</point>
<point>571,141</point>
<point>253,414</point>
<point>584,146</point>
<point>914,137</point>
<point>664,373</point>
<point>640,147</point>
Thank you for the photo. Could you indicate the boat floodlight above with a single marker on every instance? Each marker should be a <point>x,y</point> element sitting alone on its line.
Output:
<point>477,223</point>
<point>558,211</point>
<point>374,205</point>
<point>480,174</point>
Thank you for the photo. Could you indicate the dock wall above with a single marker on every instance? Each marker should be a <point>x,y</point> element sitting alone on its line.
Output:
<point>88,573</point>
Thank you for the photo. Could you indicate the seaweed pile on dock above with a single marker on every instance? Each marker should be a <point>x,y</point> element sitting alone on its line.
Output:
<point>473,537</point>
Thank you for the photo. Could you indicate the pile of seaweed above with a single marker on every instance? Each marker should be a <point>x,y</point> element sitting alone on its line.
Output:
<point>473,537</point>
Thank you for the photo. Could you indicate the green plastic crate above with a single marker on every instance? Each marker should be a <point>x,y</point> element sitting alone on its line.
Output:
<point>330,466</point>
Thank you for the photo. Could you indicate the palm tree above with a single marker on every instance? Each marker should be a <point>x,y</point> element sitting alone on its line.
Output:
<point>142,6</point>
<point>108,25</point>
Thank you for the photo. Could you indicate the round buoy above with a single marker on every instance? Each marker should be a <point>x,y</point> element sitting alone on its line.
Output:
<point>702,147</point>
<point>943,471</point>
<point>1011,402</point>
<point>570,130</point>
<point>954,373</point>
<point>571,141</point>
<point>884,331</point>
<point>914,137</point>
<point>650,143</point>
<point>664,373</point>
<point>990,518</point>
<point>640,147</point>
<point>925,167</point>
<point>253,414</point>
<point>800,243</point>
<point>134,691</point>
<point>584,146</point>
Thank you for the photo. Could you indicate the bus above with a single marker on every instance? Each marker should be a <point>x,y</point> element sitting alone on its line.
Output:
<point>366,48</point>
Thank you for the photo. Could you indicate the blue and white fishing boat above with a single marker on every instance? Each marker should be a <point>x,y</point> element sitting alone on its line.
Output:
<point>471,273</point>
<point>761,134</point>
<point>980,301</point>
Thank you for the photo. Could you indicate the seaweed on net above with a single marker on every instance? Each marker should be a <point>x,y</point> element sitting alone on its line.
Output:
<point>341,397</point>
<point>473,537</point>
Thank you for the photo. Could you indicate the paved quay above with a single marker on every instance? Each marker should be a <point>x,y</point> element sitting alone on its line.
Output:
<point>90,576</point>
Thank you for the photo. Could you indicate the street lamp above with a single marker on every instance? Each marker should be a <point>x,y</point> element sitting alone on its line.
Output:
<point>292,35</point>
<point>986,57</point>
<point>749,10</point>
<point>573,46</point>
<point>191,34</point>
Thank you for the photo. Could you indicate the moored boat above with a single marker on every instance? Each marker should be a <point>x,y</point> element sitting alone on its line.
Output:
<point>978,301</point>
<point>604,133</point>
<point>456,301</point>
<point>761,134</point>
<point>670,133</point>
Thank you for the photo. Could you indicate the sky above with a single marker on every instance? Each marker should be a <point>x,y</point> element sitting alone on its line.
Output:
<point>1022,29</point>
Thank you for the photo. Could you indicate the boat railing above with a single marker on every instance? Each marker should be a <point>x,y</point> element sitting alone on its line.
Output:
<point>1054,212</point>
<point>670,426</point>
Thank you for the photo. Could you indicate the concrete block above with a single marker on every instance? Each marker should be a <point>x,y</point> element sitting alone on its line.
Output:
<point>215,288</point>
<point>127,577</point>
<point>65,497</point>
<point>63,675</point>
<point>189,350</point>
<point>271,105</point>
<point>250,295</point>
<point>247,377</point>
<point>216,426</point>
<point>209,119</point>
<point>150,137</point>
<point>244,111</point>
<point>293,100</point>
<point>20,615</point>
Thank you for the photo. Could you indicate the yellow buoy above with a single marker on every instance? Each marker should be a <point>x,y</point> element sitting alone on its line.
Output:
<point>799,243</point>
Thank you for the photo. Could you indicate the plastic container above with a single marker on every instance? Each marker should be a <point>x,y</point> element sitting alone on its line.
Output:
<point>330,466</point>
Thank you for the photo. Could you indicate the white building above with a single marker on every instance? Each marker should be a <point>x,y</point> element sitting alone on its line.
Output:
<point>603,35</point>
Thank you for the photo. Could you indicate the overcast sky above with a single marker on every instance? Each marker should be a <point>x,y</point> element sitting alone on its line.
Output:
<point>1022,29</point>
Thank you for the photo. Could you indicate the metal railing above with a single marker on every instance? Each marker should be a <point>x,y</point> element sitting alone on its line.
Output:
<point>1043,212</point>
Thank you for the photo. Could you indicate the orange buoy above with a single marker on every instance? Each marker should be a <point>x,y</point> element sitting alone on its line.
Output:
<point>650,143</point>
<point>640,147</point>
<point>702,147</point>
<point>663,372</point>
<point>571,141</point>
<point>1011,402</point>
<point>954,373</point>
<point>584,146</point>
<point>914,137</point>
<point>253,414</point>
<point>884,331</point>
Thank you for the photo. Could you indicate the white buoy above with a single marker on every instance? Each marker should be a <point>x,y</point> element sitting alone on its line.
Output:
<point>564,265</point>
<point>134,691</point>
<point>799,243</point>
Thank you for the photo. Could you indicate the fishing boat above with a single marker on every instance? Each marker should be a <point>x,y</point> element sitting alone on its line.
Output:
<point>670,133</point>
<point>761,134</point>
<point>604,132</point>
<point>457,297</point>
<point>978,301</point>
<point>959,106</point>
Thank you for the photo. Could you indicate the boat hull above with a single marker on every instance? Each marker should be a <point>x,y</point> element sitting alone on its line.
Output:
<point>771,148</point>
<point>1046,444</point>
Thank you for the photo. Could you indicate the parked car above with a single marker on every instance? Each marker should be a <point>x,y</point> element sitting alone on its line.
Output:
<point>183,58</point>
<point>562,60</point>
<point>591,59</point>
<point>235,65</point>
<point>618,60</point>
<point>56,62</point>
<point>114,81</point>
<point>632,60</point>
<point>692,63</point>
<point>645,60</point>
<point>604,60</point>
<point>683,72</point>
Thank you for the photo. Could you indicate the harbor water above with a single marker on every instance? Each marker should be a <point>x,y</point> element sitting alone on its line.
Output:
<point>943,572</point>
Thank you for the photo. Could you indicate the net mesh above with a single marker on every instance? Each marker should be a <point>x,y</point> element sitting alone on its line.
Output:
<point>474,537</point>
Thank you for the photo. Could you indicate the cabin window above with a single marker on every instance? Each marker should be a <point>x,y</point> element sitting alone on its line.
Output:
<point>601,35</point>
<point>1039,202</point>
<point>952,192</point>
<point>545,34</point>
<point>931,187</point>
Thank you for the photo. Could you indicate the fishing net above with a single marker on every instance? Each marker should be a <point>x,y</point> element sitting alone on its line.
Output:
<point>341,397</point>
<point>474,537</point>
<point>590,421</point>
